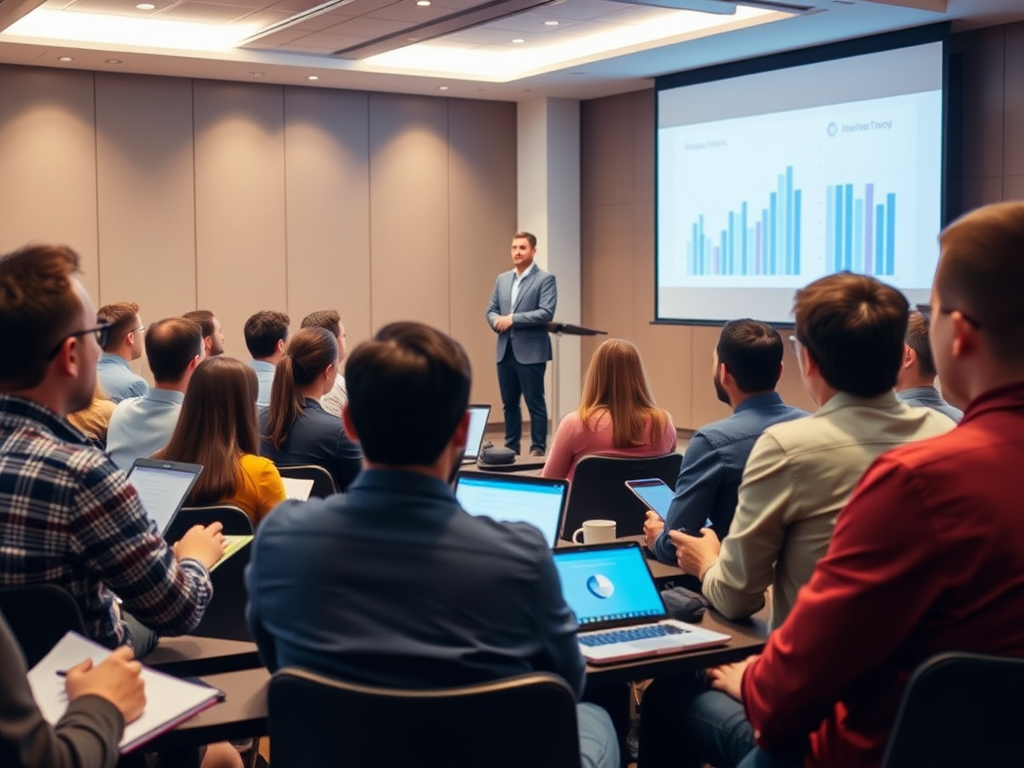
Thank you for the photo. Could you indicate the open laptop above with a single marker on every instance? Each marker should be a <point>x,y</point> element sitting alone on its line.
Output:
<point>163,487</point>
<point>618,606</point>
<point>515,499</point>
<point>478,415</point>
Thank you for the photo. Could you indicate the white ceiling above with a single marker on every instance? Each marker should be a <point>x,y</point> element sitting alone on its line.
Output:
<point>292,55</point>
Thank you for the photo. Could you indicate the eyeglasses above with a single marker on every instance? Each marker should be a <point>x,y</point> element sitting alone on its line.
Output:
<point>926,313</point>
<point>102,332</point>
<point>140,329</point>
<point>796,345</point>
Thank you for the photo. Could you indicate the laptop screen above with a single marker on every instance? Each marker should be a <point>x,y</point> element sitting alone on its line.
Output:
<point>478,415</point>
<point>162,487</point>
<point>607,584</point>
<point>509,499</point>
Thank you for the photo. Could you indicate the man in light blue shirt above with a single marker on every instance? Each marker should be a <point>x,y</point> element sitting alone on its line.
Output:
<point>915,384</point>
<point>141,426</point>
<point>747,367</point>
<point>124,344</point>
<point>266,334</point>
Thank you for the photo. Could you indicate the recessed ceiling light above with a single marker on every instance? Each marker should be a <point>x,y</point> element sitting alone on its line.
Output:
<point>518,40</point>
<point>65,58</point>
<point>442,87</point>
<point>550,23</point>
<point>312,77</point>
<point>113,61</point>
<point>146,7</point>
<point>423,3</point>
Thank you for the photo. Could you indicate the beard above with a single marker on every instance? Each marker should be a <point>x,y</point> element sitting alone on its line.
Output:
<point>723,396</point>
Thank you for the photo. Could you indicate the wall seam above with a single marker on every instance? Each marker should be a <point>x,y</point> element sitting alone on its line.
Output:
<point>96,184</point>
<point>195,195</point>
<point>284,195</point>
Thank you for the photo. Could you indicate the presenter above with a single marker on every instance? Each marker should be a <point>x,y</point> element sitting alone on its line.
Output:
<point>522,305</point>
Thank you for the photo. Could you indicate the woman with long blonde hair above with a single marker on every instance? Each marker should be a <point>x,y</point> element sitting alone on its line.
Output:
<point>617,415</point>
<point>217,428</point>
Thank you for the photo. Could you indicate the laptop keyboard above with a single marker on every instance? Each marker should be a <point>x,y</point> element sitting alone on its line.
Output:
<point>633,633</point>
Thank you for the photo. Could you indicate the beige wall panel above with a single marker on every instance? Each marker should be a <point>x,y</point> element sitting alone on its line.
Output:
<point>48,162</point>
<point>409,209</point>
<point>327,186</point>
<point>1013,127</point>
<point>1013,188</point>
<point>240,219</point>
<point>983,104</point>
<point>482,217</point>
<point>607,282</point>
<point>979,192</point>
<point>642,144</point>
<point>145,188</point>
<point>606,169</point>
<point>706,405</point>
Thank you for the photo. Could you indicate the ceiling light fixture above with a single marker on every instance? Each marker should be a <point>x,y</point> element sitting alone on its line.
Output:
<point>423,3</point>
<point>146,7</point>
<point>442,87</point>
<point>113,61</point>
<point>518,40</point>
<point>65,58</point>
<point>550,23</point>
<point>312,77</point>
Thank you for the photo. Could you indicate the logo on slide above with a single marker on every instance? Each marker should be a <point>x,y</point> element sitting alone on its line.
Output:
<point>833,129</point>
<point>600,586</point>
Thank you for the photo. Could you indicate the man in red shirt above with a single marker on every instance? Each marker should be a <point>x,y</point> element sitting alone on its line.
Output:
<point>928,555</point>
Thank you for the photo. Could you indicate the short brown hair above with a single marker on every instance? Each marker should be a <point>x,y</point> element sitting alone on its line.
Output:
<point>38,306</point>
<point>205,319</point>
<point>407,390</point>
<point>917,340</point>
<point>263,330</point>
<point>981,272</point>
<point>328,319</point>
<point>122,316</point>
<point>853,327</point>
<point>752,352</point>
<point>171,345</point>
<point>526,236</point>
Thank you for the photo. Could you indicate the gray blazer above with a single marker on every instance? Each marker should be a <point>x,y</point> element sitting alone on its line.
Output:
<point>534,309</point>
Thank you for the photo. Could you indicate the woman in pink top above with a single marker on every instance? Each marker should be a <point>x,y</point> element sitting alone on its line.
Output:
<point>617,415</point>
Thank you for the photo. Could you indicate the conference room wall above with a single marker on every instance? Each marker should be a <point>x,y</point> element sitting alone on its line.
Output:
<point>617,177</point>
<point>238,197</point>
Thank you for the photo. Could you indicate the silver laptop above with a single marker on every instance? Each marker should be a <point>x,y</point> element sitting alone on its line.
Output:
<point>515,499</point>
<point>618,606</point>
<point>163,487</point>
<point>478,415</point>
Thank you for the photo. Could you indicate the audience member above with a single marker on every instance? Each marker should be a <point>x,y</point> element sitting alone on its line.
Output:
<point>453,599</point>
<point>266,334</point>
<point>335,400</point>
<point>68,515</point>
<point>124,344</point>
<point>849,344</point>
<point>217,428</point>
<point>102,700</point>
<point>213,336</point>
<point>617,415</point>
<point>94,419</point>
<point>916,382</point>
<point>295,429</point>
<point>141,426</point>
<point>747,365</point>
<point>926,557</point>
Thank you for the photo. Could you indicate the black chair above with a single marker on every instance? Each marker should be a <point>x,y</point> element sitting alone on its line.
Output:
<point>323,483</point>
<point>598,490</point>
<point>960,709</point>
<point>39,616</point>
<point>235,521</point>
<point>528,720</point>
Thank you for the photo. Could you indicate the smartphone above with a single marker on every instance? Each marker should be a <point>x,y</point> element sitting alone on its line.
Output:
<point>654,493</point>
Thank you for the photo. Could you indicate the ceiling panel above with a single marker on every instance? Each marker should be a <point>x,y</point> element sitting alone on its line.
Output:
<point>206,13</point>
<point>365,27</point>
<point>410,13</point>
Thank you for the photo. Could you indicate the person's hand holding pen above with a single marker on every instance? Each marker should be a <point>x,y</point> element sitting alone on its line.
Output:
<point>118,679</point>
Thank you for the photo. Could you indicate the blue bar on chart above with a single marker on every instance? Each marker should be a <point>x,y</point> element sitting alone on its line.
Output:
<point>756,240</point>
<point>860,234</point>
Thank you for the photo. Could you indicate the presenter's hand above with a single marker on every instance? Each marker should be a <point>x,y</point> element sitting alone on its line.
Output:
<point>204,543</point>
<point>695,554</point>
<point>653,526</point>
<point>503,323</point>
<point>117,679</point>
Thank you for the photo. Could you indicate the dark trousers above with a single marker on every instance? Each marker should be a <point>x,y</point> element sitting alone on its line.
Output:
<point>517,380</point>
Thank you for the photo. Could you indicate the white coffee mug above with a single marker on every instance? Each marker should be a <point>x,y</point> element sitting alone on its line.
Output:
<point>595,532</point>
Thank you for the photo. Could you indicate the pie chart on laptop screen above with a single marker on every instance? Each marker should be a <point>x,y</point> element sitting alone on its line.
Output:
<point>600,586</point>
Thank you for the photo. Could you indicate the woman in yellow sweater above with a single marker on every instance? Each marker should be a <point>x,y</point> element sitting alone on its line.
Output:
<point>217,428</point>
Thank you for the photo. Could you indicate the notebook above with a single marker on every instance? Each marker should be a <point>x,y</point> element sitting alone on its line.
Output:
<point>618,606</point>
<point>478,415</point>
<point>515,499</point>
<point>163,487</point>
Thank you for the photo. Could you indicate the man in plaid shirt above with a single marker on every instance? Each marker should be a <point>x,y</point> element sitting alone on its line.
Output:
<point>68,516</point>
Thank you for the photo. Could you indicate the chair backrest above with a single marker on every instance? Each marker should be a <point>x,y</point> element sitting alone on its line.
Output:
<point>528,720</point>
<point>235,521</point>
<point>598,490</point>
<point>323,483</point>
<point>39,615</point>
<point>960,709</point>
